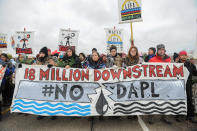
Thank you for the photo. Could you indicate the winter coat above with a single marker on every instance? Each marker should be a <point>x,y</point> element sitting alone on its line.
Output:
<point>157,58</point>
<point>147,58</point>
<point>90,64</point>
<point>128,62</point>
<point>73,61</point>
<point>10,69</point>
<point>111,61</point>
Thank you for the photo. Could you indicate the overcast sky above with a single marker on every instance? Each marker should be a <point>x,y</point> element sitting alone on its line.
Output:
<point>171,22</point>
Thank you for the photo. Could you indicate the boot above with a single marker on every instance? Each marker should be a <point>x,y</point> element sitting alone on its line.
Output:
<point>150,120</point>
<point>53,117</point>
<point>40,117</point>
<point>192,119</point>
<point>132,117</point>
<point>166,120</point>
<point>178,118</point>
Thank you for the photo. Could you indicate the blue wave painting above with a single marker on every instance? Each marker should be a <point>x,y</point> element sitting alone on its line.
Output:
<point>50,109</point>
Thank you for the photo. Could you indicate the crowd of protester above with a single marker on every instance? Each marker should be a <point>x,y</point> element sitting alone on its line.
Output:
<point>70,59</point>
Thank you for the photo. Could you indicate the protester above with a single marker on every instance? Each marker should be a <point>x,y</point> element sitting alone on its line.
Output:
<point>176,57</point>
<point>193,72</point>
<point>161,55</point>
<point>23,59</point>
<point>71,59</point>
<point>104,58</point>
<point>7,87</point>
<point>60,62</point>
<point>114,58</point>
<point>43,58</point>
<point>94,50</point>
<point>82,58</point>
<point>95,62</point>
<point>132,58</point>
<point>151,54</point>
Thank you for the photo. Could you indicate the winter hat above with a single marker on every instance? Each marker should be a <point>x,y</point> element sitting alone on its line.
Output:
<point>152,48</point>
<point>182,53</point>
<point>160,46</point>
<point>113,47</point>
<point>94,49</point>
<point>5,55</point>
<point>45,51</point>
<point>175,56</point>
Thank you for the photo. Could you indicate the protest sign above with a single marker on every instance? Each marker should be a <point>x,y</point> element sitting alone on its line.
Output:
<point>68,38</point>
<point>129,11</point>
<point>23,41</point>
<point>114,37</point>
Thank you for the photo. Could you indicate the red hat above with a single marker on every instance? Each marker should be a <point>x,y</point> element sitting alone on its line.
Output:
<point>49,50</point>
<point>182,53</point>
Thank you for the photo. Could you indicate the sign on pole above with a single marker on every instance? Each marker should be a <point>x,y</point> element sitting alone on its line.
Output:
<point>68,38</point>
<point>23,41</point>
<point>114,37</point>
<point>129,11</point>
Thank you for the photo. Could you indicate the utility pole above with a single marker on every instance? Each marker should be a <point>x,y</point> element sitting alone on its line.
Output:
<point>132,40</point>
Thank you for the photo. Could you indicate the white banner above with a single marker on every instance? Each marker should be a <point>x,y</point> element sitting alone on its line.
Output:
<point>23,41</point>
<point>68,38</point>
<point>130,11</point>
<point>145,89</point>
<point>114,37</point>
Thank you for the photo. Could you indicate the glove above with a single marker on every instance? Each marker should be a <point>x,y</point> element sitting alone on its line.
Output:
<point>49,65</point>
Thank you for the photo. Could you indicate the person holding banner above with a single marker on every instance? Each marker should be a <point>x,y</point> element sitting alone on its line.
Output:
<point>71,59</point>
<point>7,86</point>
<point>23,59</point>
<point>151,54</point>
<point>160,57</point>
<point>114,58</point>
<point>94,62</point>
<point>43,58</point>
<point>82,58</point>
<point>193,72</point>
<point>132,58</point>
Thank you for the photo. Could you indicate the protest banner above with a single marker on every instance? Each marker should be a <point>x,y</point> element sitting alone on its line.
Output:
<point>129,11</point>
<point>3,42</point>
<point>114,37</point>
<point>24,41</point>
<point>68,38</point>
<point>145,89</point>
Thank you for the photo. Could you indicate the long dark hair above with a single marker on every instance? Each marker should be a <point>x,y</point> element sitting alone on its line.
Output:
<point>73,53</point>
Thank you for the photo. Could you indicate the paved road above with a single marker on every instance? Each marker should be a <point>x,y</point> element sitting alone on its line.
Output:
<point>16,122</point>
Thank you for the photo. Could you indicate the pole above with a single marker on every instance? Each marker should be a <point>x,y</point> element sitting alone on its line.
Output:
<point>132,41</point>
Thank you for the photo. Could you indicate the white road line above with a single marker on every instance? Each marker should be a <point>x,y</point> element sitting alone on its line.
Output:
<point>142,124</point>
